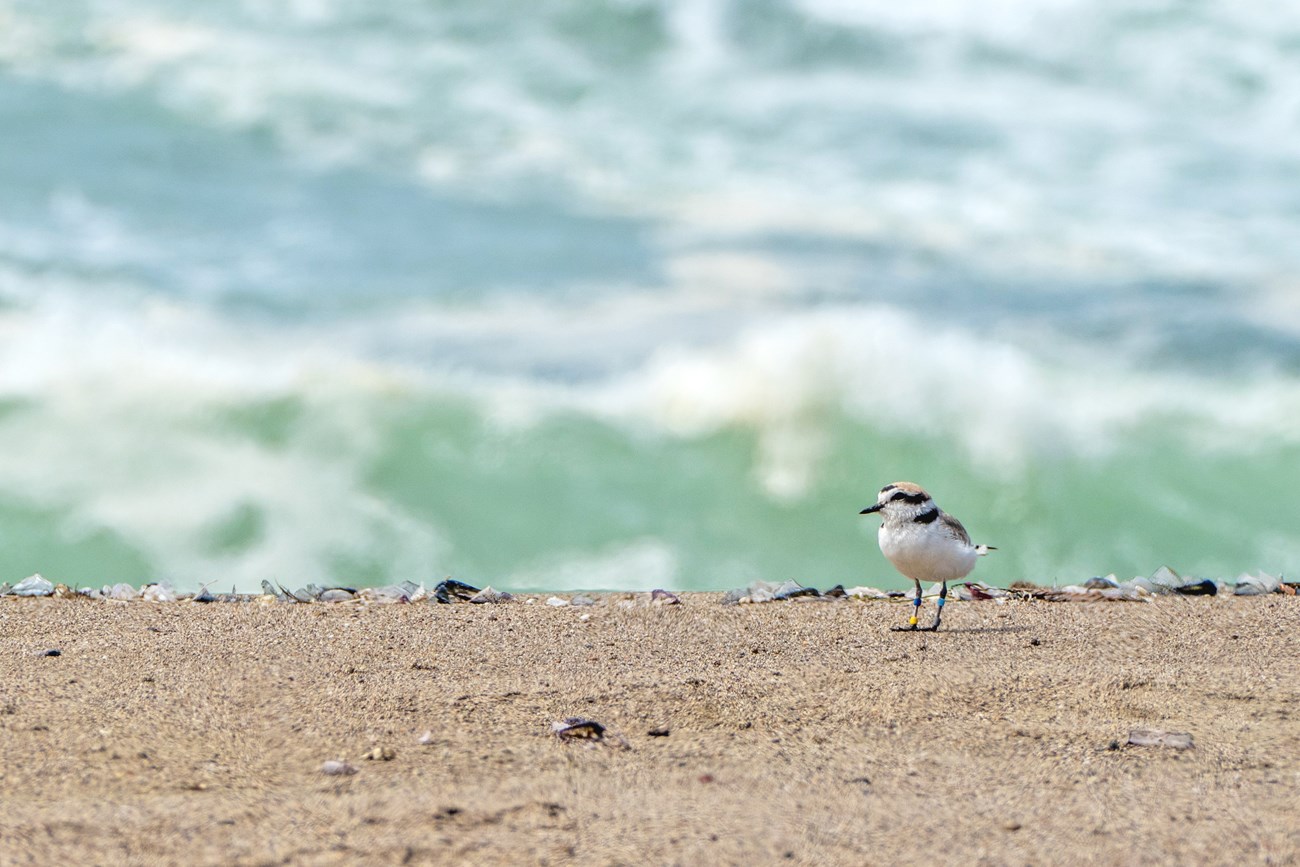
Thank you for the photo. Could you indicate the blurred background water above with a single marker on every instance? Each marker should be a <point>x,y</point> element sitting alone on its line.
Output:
<point>633,293</point>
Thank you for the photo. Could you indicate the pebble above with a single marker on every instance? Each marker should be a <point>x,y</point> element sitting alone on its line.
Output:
<point>337,769</point>
<point>490,596</point>
<point>381,754</point>
<point>1157,738</point>
<point>425,739</point>
<point>557,602</point>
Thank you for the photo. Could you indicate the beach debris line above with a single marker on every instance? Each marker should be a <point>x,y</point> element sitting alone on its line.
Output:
<point>589,732</point>
<point>1163,582</point>
<point>1157,738</point>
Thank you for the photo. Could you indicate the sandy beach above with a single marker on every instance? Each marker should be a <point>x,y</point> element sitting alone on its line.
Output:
<point>790,732</point>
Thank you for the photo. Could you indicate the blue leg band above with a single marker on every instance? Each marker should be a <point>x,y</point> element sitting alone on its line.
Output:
<point>917,601</point>
<point>941,601</point>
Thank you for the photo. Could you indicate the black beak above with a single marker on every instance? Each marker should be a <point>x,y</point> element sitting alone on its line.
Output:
<point>869,509</point>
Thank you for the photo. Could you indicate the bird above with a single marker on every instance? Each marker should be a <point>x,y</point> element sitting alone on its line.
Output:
<point>923,542</point>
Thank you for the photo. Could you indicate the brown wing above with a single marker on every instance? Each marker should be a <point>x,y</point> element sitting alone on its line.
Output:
<point>953,526</point>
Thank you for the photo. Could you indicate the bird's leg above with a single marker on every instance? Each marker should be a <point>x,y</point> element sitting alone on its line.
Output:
<point>916,609</point>
<point>938,612</point>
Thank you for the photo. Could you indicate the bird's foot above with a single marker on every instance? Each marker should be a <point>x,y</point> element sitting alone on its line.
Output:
<point>933,627</point>
<point>910,627</point>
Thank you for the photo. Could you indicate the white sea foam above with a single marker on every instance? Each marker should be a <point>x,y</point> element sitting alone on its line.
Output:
<point>641,564</point>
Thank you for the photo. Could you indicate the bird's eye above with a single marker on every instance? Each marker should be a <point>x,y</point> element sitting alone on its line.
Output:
<point>900,495</point>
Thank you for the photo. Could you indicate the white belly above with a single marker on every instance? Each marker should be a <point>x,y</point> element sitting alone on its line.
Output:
<point>927,556</point>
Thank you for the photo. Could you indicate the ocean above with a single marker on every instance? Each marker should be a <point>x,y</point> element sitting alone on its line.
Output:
<point>618,294</point>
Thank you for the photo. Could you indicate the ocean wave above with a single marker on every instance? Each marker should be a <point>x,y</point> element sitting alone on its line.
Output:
<point>1156,140</point>
<point>211,451</point>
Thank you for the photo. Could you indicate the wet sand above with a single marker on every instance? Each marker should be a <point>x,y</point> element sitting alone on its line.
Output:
<point>798,732</point>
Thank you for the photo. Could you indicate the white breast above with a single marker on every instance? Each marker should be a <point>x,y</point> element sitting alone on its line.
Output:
<point>922,554</point>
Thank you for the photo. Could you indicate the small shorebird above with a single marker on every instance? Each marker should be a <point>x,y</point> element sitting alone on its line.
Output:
<point>923,543</point>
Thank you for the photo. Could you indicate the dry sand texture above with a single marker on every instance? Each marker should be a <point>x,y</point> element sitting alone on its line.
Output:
<point>799,732</point>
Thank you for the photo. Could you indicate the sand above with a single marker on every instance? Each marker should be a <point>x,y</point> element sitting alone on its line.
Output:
<point>798,732</point>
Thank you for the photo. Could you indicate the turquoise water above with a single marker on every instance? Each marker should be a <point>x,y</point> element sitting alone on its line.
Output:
<point>631,294</point>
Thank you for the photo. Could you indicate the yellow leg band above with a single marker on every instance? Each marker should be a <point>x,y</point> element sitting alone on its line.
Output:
<point>912,620</point>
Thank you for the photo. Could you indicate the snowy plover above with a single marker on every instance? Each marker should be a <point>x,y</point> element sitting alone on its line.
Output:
<point>922,542</point>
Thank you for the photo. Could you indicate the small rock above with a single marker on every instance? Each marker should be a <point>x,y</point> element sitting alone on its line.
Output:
<point>337,769</point>
<point>1011,825</point>
<point>490,596</point>
<point>582,600</point>
<point>663,597</point>
<point>557,602</point>
<point>336,594</point>
<point>659,732</point>
<point>425,739</point>
<point>1157,738</point>
<point>381,754</point>
<point>52,652</point>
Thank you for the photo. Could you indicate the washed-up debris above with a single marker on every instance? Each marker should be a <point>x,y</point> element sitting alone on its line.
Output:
<point>557,602</point>
<point>490,596</point>
<point>275,592</point>
<point>576,728</point>
<point>866,593</point>
<point>381,754</point>
<point>205,597</point>
<point>1205,587</point>
<point>978,591</point>
<point>663,597</point>
<point>337,594</point>
<point>158,593</point>
<point>334,768</point>
<point>121,592</point>
<point>450,590</point>
<point>1257,585</point>
<point>581,600</point>
<point>768,591</point>
<point>1157,738</point>
<point>836,592</point>
<point>393,594</point>
<point>33,586</point>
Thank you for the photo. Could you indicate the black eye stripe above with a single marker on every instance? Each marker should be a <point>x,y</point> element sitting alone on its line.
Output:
<point>914,499</point>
